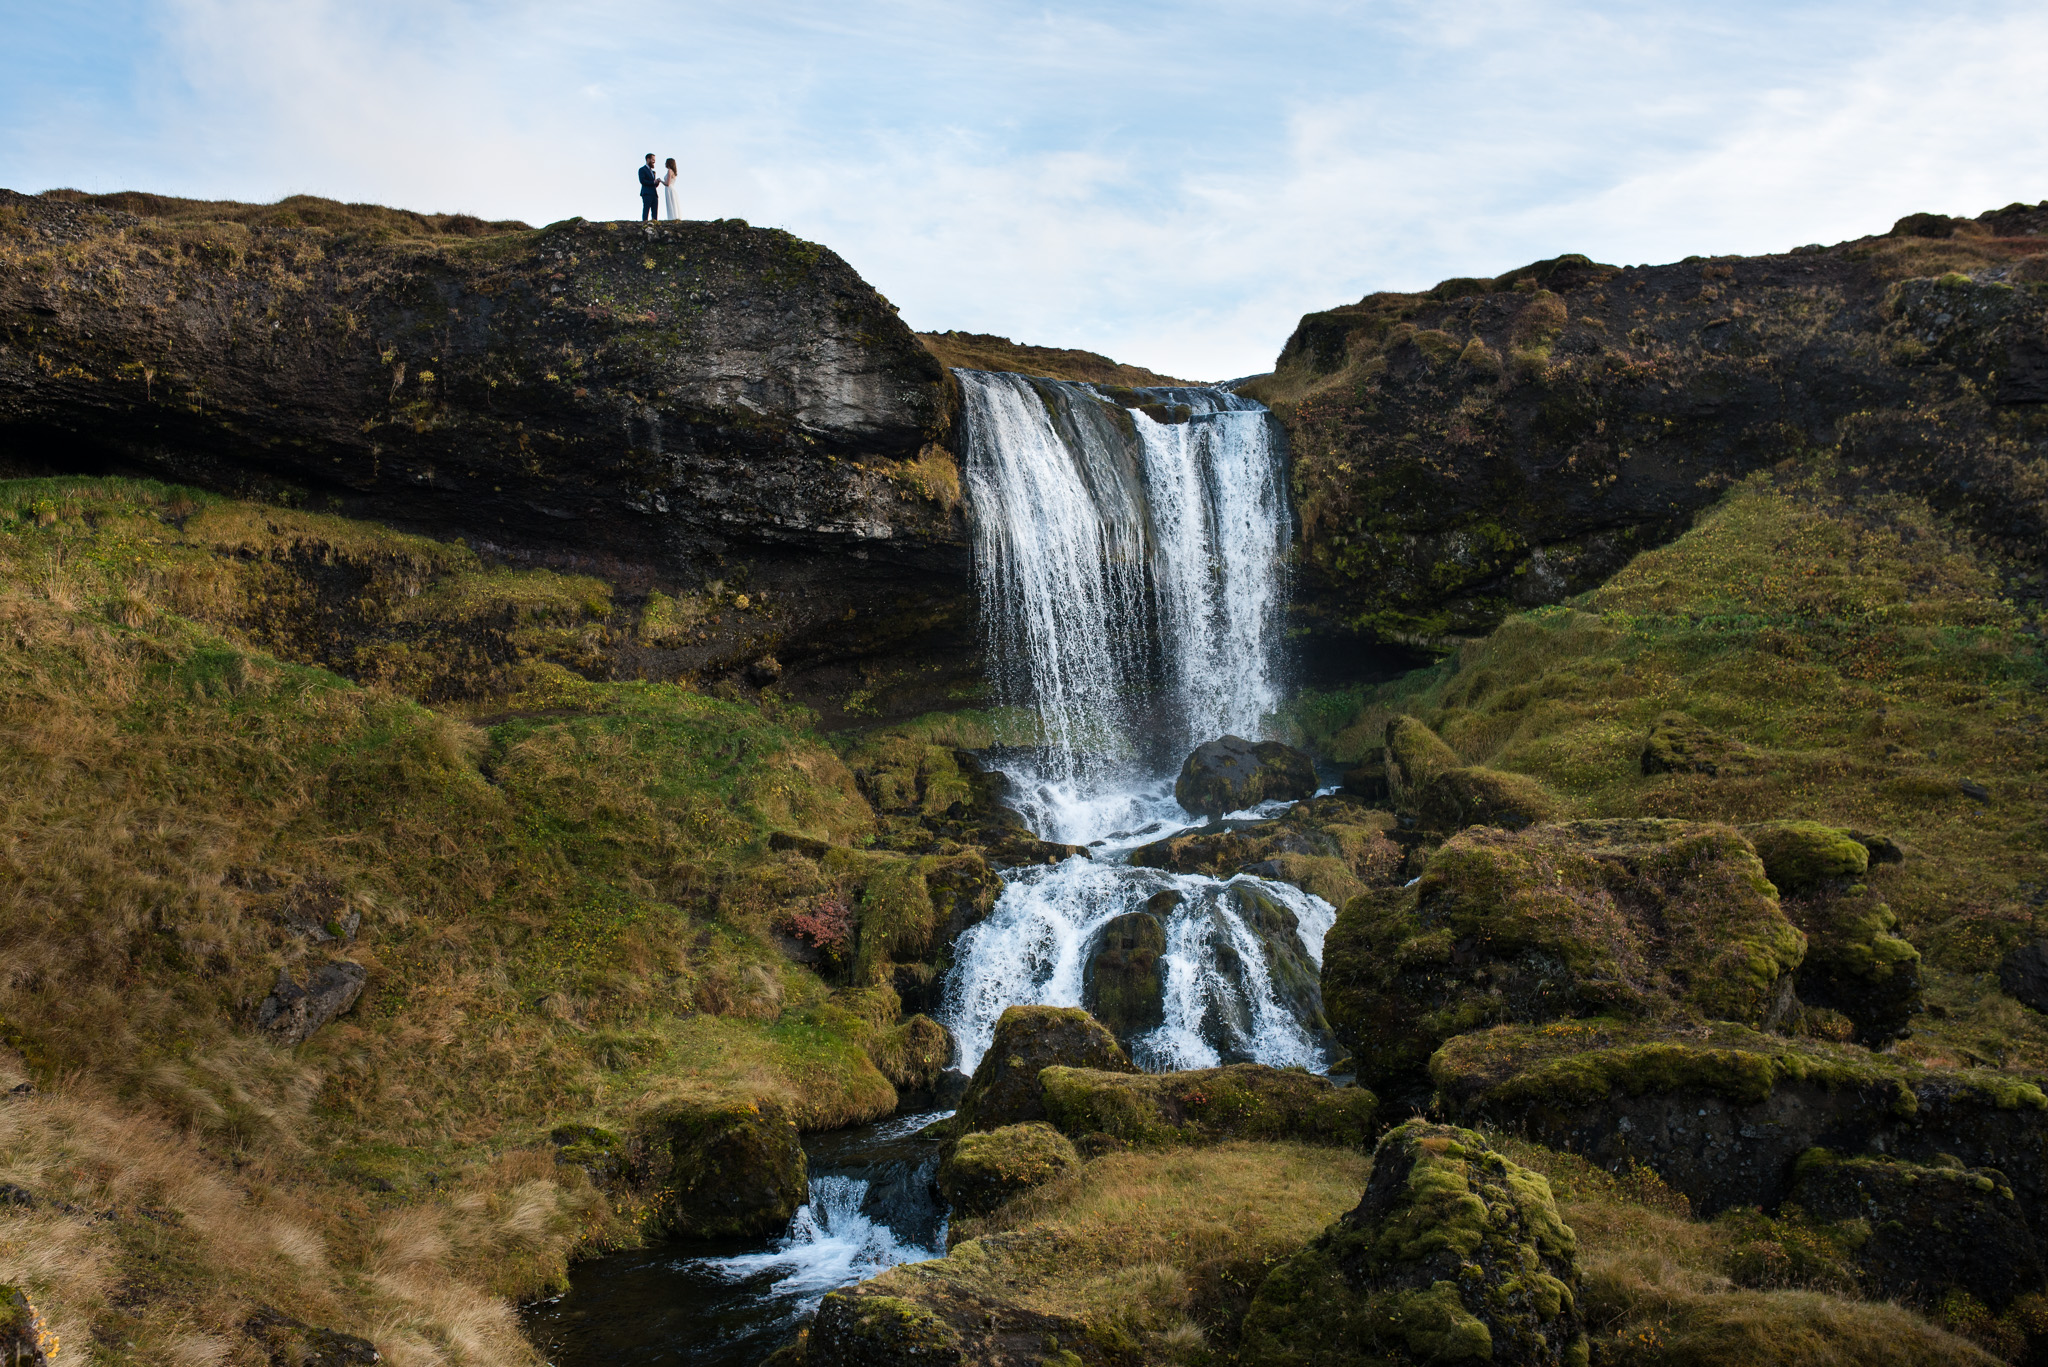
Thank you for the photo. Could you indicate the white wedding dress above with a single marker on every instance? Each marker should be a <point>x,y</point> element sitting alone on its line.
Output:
<point>668,195</point>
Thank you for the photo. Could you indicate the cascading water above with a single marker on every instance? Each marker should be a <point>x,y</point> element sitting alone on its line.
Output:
<point>1131,568</point>
<point>1131,581</point>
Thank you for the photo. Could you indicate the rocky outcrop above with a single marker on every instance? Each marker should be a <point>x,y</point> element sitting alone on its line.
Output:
<point>1124,983</point>
<point>989,1167</point>
<point>1927,1229</point>
<point>1207,1105</point>
<point>1639,918</point>
<point>1454,1254</point>
<point>1333,847</point>
<point>1232,774</point>
<point>720,1170</point>
<point>1722,1112</point>
<point>1029,1039</point>
<point>286,1342</point>
<point>291,1013</point>
<point>672,405</point>
<point>1492,444</point>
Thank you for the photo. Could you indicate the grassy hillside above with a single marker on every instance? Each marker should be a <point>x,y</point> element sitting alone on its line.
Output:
<point>567,899</point>
<point>1849,658</point>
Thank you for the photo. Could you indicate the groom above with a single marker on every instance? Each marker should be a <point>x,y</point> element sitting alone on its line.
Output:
<point>648,182</point>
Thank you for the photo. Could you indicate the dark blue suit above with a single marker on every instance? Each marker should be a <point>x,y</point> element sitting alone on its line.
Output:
<point>649,183</point>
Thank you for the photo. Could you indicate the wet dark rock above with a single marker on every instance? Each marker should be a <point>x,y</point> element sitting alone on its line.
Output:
<point>1233,773</point>
<point>949,1087</point>
<point>291,1013</point>
<point>1455,1253</point>
<point>1368,781</point>
<point>1124,983</point>
<point>988,1167</point>
<point>1932,1228</point>
<point>1028,1039</point>
<point>2024,974</point>
<point>720,1170</point>
<point>287,1342</point>
<point>1208,1105</point>
<point>1721,1112</point>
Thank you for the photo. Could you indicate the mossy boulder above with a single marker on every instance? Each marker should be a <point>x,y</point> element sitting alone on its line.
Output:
<point>871,1330</point>
<point>1644,919</point>
<point>1124,983</point>
<point>1926,1229</point>
<point>913,1054</point>
<point>730,1169</point>
<point>1207,1105</point>
<point>1028,1039</point>
<point>1233,773</point>
<point>601,1153</point>
<point>1721,1112</point>
<point>1414,755</point>
<point>1472,795</point>
<point>1802,856</point>
<point>1455,1254</point>
<point>1856,962</point>
<point>1327,845</point>
<point>988,1167</point>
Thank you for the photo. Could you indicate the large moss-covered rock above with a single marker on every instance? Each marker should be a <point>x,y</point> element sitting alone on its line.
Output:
<point>856,1328</point>
<point>1473,795</point>
<point>1801,856</point>
<point>1414,755</point>
<point>1455,1254</point>
<point>988,1167</point>
<point>1926,1229</point>
<point>721,1169</point>
<point>1231,774</point>
<point>1028,1039</point>
<point>1124,983</point>
<point>1205,1105</point>
<point>1646,919</point>
<point>1856,961</point>
<point>1334,847</point>
<point>1721,1112</point>
<point>1677,744</point>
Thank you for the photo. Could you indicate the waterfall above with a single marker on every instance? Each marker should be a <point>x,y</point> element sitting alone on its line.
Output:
<point>1130,550</point>
<point>1130,572</point>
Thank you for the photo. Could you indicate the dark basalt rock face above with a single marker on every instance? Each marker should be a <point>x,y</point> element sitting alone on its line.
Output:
<point>1125,983</point>
<point>1491,445</point>
<point>1233,773</point>
<point>667,404</point>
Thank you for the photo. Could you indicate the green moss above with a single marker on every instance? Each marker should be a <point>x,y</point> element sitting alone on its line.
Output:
<point>1801,855</point>
<point>986,1168</point>
<point>1473,795</point>
<point>1415,754</point>
<point>1208,1105</point>
<point>1456,1254</point>
<point>1005,1088</point>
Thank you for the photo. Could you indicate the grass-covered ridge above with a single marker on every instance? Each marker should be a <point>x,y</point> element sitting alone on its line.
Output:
<point>565,890</point>
<point>1846,659</point>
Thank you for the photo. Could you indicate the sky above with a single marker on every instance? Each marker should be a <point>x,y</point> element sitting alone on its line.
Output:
<point>1172,184</point>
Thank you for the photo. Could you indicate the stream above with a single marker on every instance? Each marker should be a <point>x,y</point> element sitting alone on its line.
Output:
<point>1131,563</point>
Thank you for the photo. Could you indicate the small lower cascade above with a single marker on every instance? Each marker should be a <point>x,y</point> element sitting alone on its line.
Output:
<point>1131,547</point>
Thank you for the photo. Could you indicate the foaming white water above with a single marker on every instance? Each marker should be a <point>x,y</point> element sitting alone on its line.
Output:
<point>1222,1003</point>
<point>1131,575</point>
<point>831,1243</point>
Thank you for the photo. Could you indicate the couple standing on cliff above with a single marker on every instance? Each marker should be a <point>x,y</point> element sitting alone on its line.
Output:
<point>652,180</point>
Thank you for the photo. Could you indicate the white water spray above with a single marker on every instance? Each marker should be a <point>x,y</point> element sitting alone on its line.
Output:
<point>1131,573</point>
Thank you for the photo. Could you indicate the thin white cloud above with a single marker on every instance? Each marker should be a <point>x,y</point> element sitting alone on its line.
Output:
<point>1171,183</point>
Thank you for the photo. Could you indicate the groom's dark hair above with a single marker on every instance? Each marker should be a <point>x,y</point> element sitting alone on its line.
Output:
<point>650,156</point>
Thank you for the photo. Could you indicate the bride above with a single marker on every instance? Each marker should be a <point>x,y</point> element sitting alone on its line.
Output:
<point>668,189</point>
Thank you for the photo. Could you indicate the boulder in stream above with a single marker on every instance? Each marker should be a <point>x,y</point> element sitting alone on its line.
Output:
<point>1231,774</point>
<point>732,1169</point>
<point>1124,984</point>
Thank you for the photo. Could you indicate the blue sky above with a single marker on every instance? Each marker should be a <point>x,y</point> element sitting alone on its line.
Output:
<point>1173,184</point>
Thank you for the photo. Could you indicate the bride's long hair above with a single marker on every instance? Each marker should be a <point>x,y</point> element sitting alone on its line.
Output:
<point>671,163</point>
